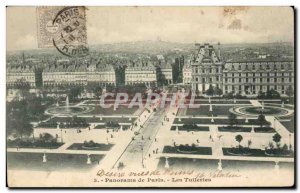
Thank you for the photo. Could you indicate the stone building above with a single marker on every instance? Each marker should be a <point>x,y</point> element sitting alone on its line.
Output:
<point>251,76</point>
<point>246,77</point>
<point>206,68</point>
<point>140,71</point>
<point>20,74</point>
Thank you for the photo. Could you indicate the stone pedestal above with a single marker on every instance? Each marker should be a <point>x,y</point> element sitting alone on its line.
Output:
<point>179,119</point>
<point>167,163</point>
<point>212,120</point>
<point>176,128</point>
<point>282,104</point>
<point>100,118</point>
<point>252,129</point>
<point>88,160</point>
<point>44,158</point>
<point>210,108</point>
<point>246,120</point>
<point>220,165</point>
<point>277,166</point>
<point>129,118</point>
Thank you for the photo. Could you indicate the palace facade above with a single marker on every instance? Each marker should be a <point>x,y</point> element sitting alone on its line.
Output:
<point>250,77</point>
<point>247,77</point>
<point>206,68</point>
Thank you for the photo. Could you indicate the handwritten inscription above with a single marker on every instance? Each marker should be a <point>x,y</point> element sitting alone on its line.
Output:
<point>157,176</point>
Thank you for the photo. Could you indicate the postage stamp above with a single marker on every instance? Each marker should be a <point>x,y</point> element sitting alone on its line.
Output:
<point>63,28</point>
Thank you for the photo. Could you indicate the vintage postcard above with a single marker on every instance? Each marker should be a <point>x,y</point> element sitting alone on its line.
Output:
<point>150,96</point>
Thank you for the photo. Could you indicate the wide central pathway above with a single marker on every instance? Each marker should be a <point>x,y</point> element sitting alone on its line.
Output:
<point>138,148</point>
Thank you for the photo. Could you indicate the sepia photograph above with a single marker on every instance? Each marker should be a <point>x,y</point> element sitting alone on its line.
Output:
<point>150,96</point>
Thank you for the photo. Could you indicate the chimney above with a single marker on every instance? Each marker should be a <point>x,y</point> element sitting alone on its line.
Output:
<point>219,50</point>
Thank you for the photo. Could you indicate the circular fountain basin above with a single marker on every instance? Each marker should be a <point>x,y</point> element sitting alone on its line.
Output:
<point>267,110</point>
<point>68,110</point>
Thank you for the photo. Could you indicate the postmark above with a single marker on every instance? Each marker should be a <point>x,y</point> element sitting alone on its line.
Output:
<point>63,28</point>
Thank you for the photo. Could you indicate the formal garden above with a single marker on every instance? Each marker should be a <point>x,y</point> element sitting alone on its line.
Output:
<point>187,149</point>
<point>270,151</point>
<point>90,145</point>
<point>44,141</point>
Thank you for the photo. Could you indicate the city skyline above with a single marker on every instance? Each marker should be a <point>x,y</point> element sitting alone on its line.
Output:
<point>180,25</point>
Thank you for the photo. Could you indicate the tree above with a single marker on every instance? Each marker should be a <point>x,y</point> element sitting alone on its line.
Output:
<point>261,95</point>
<point>290,92</point>
<point>218,91</point>
<point>161,79</point>
<point>262,120</point>
<point>210,91</point>
<point>272,94</point>
<point>18,119</point>
<point>249,143</point>
<point>276,139</point>
<point>46,137</point>
<point>232,119</point>
<point>239,138</point>
<point>75,92</point>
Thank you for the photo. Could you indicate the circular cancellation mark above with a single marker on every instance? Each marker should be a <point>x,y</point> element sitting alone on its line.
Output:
<point>71,39</point>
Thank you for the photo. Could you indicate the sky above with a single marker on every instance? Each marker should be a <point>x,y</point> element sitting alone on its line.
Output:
<point>174,24</point>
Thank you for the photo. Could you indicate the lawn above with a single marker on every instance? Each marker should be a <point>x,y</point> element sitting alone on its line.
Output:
<point>204,110</point>
<point>123,109</point>
<point>198,150</point>
<point>55,162</point>
<point>289,125</point>
<point>200,128</point>
<point>264,130</point>
<point>97,147</point>
<point>216,121</point>
<point>97,119</point>
<point>222,102</point>
<point>234,129</point>
<point>35,145</point>
<point>100,127</point>
<point>252,153</point>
